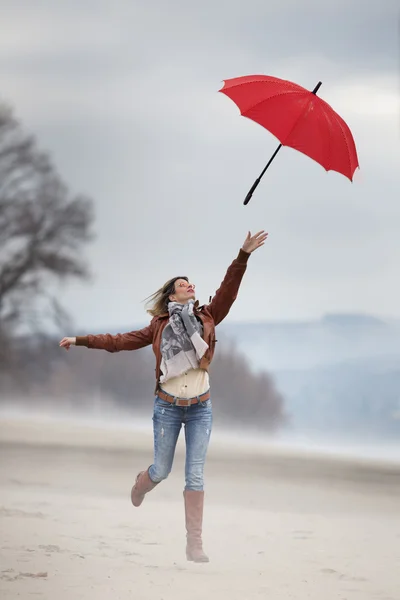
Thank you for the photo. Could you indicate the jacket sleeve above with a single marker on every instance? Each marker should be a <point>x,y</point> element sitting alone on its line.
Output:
<point>227,293</point>
<point>133,340</point>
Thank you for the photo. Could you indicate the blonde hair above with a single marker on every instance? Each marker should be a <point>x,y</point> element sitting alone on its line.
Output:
<point>157,303</point>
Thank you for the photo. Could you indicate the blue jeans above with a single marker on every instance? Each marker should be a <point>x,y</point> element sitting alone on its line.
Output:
<point>167,423</point>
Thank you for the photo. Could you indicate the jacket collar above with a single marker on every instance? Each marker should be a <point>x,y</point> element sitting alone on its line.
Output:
<point>197,308</point>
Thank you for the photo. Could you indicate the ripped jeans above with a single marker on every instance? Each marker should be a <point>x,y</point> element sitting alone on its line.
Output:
<point>167,423</point>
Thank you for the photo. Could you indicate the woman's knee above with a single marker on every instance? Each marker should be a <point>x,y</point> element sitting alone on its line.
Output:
<point>159,473</point>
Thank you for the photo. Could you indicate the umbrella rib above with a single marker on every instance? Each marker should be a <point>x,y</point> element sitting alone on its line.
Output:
<point>338,121</point>
<point>329,134</point>
<point>270,97</point>
<point>301,115</point>
<point>347,145</point>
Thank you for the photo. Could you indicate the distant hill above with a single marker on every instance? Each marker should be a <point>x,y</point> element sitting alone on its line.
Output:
<point>305,345</point>
<point>340,375</point>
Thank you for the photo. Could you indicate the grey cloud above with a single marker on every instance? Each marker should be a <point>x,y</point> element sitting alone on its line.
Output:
<point>206,33</point>
<point>125,97</point>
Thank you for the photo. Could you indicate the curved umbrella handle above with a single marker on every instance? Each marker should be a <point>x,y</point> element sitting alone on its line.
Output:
<point>251,191</point>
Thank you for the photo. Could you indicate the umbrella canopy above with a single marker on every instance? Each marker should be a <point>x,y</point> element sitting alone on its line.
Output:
<point>298,118</point>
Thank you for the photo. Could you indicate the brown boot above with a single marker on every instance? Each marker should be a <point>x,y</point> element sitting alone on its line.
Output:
<point>143,484</point>
<point>194,502</point>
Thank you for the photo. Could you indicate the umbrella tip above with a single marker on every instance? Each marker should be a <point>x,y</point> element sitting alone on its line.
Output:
<point>223,85</point>
<point>315,90</point>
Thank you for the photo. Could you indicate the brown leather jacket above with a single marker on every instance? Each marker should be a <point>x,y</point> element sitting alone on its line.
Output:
<point>211,315</point>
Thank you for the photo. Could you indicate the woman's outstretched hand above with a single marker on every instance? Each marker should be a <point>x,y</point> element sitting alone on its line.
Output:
<point>67,342</point>
<point>252,242</point>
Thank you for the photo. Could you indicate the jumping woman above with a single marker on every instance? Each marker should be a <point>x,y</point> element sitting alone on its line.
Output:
<point>182,335</point>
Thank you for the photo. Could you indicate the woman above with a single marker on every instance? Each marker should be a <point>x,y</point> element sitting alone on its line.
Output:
<point>183,338</point>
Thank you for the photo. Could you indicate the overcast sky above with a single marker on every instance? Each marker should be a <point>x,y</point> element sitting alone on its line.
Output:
<point>124,96</point>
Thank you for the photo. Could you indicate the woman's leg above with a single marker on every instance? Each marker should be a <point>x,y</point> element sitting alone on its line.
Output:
<point>198,424</point>
<point>167,422</point>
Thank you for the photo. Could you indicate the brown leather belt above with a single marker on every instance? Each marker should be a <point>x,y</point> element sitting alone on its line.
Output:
<point>183,401</point>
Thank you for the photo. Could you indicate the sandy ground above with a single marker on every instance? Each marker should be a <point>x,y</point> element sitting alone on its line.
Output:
<point>277,525</point>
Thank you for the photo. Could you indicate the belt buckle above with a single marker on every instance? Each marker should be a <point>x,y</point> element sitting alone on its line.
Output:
<point>183,402</point>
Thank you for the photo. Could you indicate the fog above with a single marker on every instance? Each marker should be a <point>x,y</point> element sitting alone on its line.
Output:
<point>106,418</point>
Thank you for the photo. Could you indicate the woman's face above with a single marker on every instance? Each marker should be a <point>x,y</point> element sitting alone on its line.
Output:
<point>184,291</point>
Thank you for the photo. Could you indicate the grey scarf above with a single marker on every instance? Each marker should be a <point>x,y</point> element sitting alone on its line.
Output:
<point>182,346</point>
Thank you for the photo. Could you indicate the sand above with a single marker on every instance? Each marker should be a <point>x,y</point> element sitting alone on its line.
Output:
<point>277,525</point>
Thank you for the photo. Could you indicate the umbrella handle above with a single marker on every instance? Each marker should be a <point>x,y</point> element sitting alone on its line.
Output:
<point>251,191</point>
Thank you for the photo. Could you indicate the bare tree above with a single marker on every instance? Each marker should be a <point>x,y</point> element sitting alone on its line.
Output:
<point>42,231</point>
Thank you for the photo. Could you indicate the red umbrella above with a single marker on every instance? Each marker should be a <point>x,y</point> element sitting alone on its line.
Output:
<point>298,118</point>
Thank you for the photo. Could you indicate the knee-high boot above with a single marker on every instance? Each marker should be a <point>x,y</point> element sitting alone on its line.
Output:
<point>194,504</point>
<point>143,485</point>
